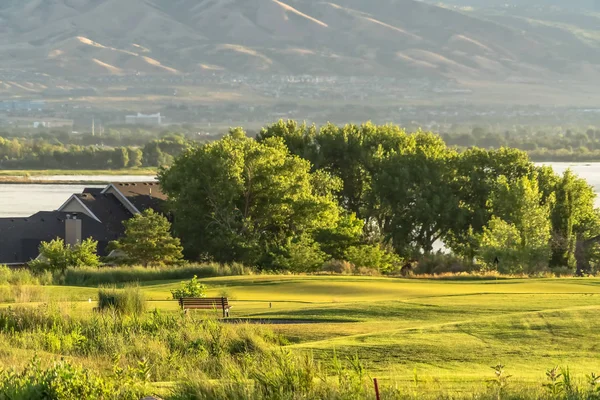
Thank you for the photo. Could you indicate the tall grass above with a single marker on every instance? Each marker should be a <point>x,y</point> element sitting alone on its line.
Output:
<point>173,344</point>
<point>115,275</point>
<point>23,276</point>
<point>209,360</point>
<point>126,301</point>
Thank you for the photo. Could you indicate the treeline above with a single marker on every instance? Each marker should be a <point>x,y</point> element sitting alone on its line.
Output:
<point>30,153</point>
<point>112,136</point>
<point>541,145</point>
<point>302,198</point>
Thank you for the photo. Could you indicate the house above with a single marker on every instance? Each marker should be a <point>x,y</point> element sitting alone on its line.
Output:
<point>144,119</point>
<point>96,213</point>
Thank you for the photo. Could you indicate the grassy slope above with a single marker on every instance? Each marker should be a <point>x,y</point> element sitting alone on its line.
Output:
<point>449,331</point>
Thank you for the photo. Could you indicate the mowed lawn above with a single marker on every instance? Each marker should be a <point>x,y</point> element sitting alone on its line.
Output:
<point>446,331</point>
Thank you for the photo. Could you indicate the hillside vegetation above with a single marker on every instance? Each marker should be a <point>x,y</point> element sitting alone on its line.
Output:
<point>346,37</point>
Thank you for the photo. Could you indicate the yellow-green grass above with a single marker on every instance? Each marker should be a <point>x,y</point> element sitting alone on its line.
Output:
<point>451,332</point>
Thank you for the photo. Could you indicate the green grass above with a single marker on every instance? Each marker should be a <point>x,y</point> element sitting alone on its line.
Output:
<point>45,172</point>
<point>451,332</point>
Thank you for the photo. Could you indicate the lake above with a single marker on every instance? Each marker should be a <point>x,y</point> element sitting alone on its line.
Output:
<point>24,200</point>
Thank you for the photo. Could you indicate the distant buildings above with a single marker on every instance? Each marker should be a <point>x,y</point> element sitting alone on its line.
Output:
<point>144,119</point>
<point>22,105</point>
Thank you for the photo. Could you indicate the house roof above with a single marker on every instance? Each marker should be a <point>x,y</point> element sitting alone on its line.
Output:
<point>107,208</point>
<point>143,195</point>
<point>93,190</point>
<point>21,237</point>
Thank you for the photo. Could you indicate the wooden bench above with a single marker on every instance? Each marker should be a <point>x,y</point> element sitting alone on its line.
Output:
<point>206,303</point>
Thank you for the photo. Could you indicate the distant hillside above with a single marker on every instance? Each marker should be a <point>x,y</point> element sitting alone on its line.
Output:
<point>565,4</point>
<point>403,38</point>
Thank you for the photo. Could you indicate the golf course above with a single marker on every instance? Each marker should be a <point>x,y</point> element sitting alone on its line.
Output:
<point>436,334</point>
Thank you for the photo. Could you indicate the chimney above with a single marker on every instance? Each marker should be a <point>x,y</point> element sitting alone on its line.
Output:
<point>72,230</point>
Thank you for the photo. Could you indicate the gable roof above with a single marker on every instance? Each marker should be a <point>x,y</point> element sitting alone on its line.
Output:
<point>21,237</point>
<point>141,195</point>
<point>107,208</point>
<point>77,200</point>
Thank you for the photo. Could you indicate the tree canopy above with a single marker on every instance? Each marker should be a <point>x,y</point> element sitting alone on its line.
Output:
<point>299,195</point>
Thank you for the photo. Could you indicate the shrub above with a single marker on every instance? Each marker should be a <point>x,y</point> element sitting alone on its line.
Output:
<point>372,256</point>
<point>300,255</point>
<point>440,263</point>
<point>365,271</point>
<point>55,255</point>
<point>127,301</point>
<point>338,267</point>
<point>192,288</point>
<point>66,382</point>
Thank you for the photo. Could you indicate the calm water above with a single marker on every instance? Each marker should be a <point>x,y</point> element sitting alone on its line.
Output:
<point>25,200</point>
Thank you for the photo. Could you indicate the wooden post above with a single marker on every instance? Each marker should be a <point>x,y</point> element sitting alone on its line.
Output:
<point>377,396</point>
<point>223,305</point>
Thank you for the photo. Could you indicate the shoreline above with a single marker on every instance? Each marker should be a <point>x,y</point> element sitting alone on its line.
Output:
<point>27,173</point>
<point>52,182</point>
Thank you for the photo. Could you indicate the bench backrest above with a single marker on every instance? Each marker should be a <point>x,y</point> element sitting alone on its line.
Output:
<point>204,302</point>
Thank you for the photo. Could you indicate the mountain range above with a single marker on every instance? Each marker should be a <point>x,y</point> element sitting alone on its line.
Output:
<point>476,40</point>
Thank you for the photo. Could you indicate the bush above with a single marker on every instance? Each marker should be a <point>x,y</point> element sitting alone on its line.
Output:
<point>127,301</point>
<point>55,255</point>
<point>192,288</point>
<point>65,382</point>
<point>338,267</point>
<point>435,264</point>
<point>372,256</point>
<point>300,255</point>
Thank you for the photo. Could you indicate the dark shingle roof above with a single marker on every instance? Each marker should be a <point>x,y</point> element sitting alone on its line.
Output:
<point>109,210</point>
<point>21,237</point>
<point>143,195</point>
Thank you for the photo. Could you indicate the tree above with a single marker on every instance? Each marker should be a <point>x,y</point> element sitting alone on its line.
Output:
<point>500,247</point>
<point>135,158</point>
<point>415,185</point>
<point>148,240</point>
<point>55,255</point>
<point>347,232</point>
<point>120,158</point>
<point>563,220</point>
<point>241,200</point>
<point>477,171</point>
<point>520,229</point>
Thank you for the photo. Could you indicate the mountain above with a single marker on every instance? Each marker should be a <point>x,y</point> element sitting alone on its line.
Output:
<point>401,38</point>
<point>593,5</point>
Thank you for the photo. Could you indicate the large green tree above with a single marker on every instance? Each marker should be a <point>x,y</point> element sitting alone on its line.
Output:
<point>520,226</point>
<point>238,199</point>
<point>416,186</point>
<point>148,240</point>
<point>477,171</point>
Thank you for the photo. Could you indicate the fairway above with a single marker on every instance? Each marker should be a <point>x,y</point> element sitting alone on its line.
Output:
<point>449,332</point>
